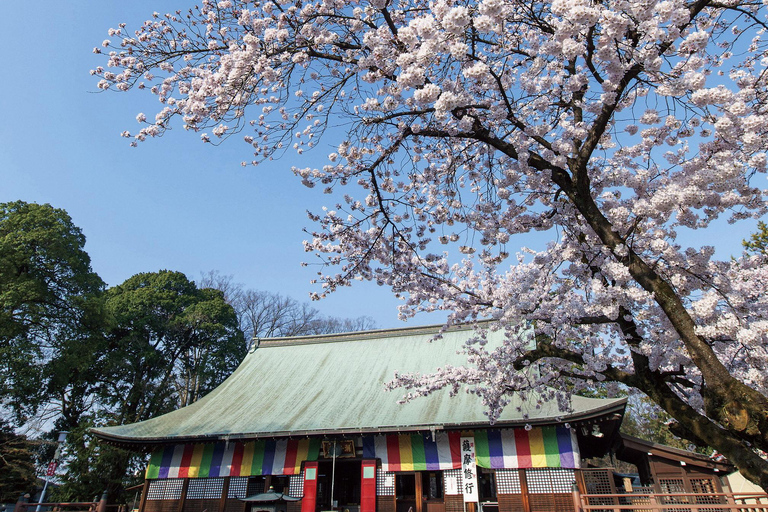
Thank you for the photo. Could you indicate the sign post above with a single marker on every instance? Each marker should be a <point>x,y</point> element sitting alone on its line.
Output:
<point>468,470</point>
<point>51,471</point>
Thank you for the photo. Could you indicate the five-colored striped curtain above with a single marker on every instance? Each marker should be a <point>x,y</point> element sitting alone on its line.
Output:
<point>544,447</point>
<point>414,452</point>
<point>260,457</point>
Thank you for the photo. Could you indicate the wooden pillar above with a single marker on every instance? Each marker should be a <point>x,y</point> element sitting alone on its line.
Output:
<point>419,492</point>
<point>224,494</point>
<point>309,502</point>
<point>576,495</point>
<point>368,486</point>
<point>524,491</point>
<point>144,493</point>
<point>183,497</point>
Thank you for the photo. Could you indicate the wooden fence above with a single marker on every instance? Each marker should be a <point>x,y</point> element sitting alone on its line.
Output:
<point>672,502</point>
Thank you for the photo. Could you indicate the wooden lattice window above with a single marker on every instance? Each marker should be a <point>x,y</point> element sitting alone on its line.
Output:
<point>668,485</point>
<point>382,489</point>
<point>599,481</point>
<point>508,481</point>
<point>205,488</point>
<point>296,485</point>
<point>256,485</point>
<point>703,485</point>
<point>550,481</point>
<point>238,487</point>
<point>706,486</point>
<point>167,489</point>
<point>549,490</point>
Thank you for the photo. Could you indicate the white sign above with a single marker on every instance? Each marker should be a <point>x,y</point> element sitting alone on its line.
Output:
<point>468,470</point>
<point>452,485</point>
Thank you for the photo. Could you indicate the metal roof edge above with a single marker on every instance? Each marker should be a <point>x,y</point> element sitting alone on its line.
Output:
<point>309,339</point>
<point>615,406</point>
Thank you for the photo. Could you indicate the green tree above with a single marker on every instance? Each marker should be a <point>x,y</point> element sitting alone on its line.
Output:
<point>646,420</point>
<point>758,242</point>
<point>17,467</point>
<point>93,467</point>
<point>167,343</point>
<point>47,288</point>
<point>94,357</point>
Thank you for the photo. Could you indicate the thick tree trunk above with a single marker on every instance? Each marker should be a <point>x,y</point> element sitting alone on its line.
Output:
<point>702,429</point>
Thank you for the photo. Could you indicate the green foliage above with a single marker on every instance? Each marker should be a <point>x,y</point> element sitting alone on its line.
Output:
<point>95,467</point>
<point>17,468</point>
<point>758,242</point>
<point>46,292</point>
<point>166,343</point>
<point>95,357</point>
<point>647,421</point>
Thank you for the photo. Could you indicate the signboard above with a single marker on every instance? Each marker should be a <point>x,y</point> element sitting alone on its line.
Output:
<point>343,448</point>
<point>468,470</point>
<point>51,469</point>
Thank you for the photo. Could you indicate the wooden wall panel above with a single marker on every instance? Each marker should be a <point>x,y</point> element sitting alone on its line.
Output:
<point>665,468</point>
<point>385,504</point>
<point>551,502</point>
<point>161,506</point>
<point>454,503</point>
<point>235,505</point>
<point>201,505</point>
<point>510,502</point>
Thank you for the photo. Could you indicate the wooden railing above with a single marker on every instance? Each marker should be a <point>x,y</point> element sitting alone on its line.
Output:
<point>673,502</point>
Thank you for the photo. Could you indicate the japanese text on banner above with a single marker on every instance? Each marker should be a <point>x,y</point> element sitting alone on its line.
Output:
<point>468,469</point>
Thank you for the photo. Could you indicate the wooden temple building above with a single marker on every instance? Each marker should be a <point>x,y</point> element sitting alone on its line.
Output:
<point>310,417</point>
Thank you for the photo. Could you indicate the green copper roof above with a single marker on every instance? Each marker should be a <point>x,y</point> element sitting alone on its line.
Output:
<point>335,384</point>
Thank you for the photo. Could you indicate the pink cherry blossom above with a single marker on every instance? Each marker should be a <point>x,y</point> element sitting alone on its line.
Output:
<point>609,125</point>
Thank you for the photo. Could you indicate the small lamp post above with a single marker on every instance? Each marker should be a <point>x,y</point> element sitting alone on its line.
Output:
<point>52,466</point>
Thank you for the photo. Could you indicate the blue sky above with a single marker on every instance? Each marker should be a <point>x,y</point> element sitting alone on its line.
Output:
<point>173,203</point>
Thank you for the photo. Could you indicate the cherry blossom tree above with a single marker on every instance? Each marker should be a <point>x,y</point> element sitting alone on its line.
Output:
<point>459,126</point>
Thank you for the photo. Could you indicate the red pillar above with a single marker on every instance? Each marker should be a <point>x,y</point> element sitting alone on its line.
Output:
<point>368,486</point>
<point>309,501</point>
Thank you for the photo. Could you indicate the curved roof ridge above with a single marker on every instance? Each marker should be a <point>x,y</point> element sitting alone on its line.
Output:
<point>305,339</point>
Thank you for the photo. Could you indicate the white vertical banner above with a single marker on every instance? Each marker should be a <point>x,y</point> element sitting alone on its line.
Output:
<point>468,470</point>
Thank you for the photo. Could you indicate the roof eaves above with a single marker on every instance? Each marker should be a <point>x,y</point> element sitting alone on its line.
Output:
<point>664,451</point>
<point>613,408</point>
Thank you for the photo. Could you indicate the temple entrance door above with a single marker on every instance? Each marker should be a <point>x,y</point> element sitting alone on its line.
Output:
<point>408,492</point>
<point>346,488</point>
<point>432,491</point>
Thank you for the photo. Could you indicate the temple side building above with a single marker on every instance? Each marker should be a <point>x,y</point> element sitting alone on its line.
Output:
<point>310,417</point>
